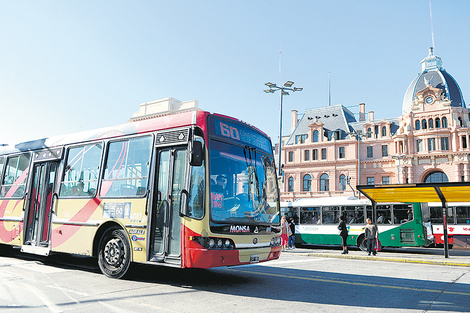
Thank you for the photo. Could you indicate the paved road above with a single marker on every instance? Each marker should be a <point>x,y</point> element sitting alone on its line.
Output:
<point>298,282</point>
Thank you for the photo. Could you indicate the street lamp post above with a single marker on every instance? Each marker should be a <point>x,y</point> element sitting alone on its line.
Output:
<point>288,86</point>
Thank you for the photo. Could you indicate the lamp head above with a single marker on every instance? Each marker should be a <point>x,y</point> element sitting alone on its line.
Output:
<point>270,85</point>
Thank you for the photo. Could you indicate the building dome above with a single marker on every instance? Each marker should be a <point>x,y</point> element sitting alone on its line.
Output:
<point>432,74</point>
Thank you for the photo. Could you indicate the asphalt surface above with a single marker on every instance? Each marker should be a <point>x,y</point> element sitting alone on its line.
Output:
<point>405,255</point>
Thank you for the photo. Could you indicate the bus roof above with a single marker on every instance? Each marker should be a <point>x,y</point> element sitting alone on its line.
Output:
<point>423,192</point>
<point>163,122</point>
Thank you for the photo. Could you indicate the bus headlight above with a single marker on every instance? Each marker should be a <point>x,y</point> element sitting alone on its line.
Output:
<point>214,243</point>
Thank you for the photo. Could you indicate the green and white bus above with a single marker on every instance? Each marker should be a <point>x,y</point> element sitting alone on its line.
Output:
<point>316,220</point>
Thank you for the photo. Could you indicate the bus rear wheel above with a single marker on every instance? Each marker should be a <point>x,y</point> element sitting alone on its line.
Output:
<point>114,254</point>
<point>362,243</point>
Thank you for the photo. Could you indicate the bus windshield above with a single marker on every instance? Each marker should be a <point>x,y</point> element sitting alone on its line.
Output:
<point>243,185</point>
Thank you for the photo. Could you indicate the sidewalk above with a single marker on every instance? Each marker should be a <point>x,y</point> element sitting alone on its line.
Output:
<point>405,255</point>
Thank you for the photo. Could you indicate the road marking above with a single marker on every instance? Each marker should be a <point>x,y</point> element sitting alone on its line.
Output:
<point>51,306</point>
<point>324,280</point>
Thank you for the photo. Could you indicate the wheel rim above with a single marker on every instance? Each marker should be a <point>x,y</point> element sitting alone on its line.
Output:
<point>114,252</point>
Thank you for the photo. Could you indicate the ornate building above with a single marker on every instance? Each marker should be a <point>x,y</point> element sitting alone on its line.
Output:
<point>329,152</point>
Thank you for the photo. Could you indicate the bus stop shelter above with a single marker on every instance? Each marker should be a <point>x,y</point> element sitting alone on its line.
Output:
<point>423,192</point>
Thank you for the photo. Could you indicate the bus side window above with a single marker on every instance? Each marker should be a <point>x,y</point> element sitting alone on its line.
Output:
<point>127,167</point>
<point>402,213</point>
<point>82,171</point>
<point>463,215</point>
<point>196,191</point>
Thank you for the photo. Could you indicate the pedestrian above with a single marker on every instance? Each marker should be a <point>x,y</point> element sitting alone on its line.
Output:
<point>292,236</point>
<point>284,233</point>
<point>371,235</point>
<point>343,232</point>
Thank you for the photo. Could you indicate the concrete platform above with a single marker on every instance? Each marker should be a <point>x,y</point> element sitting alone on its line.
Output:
<point>406,255</point>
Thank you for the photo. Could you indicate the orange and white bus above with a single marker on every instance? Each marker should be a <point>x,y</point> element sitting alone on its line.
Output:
<point>189,189</point>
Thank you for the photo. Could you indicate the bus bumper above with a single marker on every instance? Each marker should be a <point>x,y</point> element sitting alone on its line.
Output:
<point>205,258</point>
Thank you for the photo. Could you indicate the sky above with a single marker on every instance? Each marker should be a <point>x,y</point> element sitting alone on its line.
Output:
<point>69,66</point>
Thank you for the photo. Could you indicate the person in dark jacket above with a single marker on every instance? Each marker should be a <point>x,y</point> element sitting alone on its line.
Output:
<point>343,232</point>
<point>291,243</point>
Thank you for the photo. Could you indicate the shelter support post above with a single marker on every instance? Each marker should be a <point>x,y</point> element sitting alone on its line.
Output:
<point>446,236</point>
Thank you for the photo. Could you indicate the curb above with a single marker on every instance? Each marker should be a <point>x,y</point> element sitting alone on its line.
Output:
<point>387,259</point>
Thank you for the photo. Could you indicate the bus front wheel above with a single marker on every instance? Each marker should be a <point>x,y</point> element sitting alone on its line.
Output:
<point>362,243</point>
<point>114,255</point>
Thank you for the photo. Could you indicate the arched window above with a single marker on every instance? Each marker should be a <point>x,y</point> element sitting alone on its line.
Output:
<point>436,177</point>
<point>384,131</point>
<point>324,182</point>
<point>290,184</point>
<point>444,122</point>
<point>369,133</point>
<point>424,124</point>
<point>438,123</point>
<point>430,123</point>
<point>315,136</point>
<point>417,125</point>
<point>307,182</point>
<point>342,182</point>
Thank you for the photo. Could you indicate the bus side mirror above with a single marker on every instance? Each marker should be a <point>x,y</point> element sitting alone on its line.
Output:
<point>197,152</point>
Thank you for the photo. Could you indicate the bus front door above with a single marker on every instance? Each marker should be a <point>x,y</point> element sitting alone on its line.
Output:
<point>38,211</point>
<point>166,222</point>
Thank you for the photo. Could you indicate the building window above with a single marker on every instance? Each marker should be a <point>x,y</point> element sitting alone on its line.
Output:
<point>290,184</point>
<point>307,183</point>
<point>370,181</point>
<point>300,138</point>
<point>419,145</point>
<point>384,131</point>
<point>431,144</point>
<point>370,152</point>
<point>369,133</point>
<point>430,123</point>
<point>444,143</point>
<point>436,177</point>
<point>315,136</point>
<point>444,122</point>
<point>424,124</point>
<point>341,153</point>
<point>291,156</point>
<point>323,154</point>
<point>315,154</point>
<point>342,182</point>
<point>460,121</point>
<point>464,142</point>
<point>438,123</point>
<point>385,180</point>
<point>417,125</point>
<point>324,182</point>
<point>307,155</point>
<point>384,151</point>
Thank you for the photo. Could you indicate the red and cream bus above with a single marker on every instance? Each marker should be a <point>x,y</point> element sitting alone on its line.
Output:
<point>189,189</point>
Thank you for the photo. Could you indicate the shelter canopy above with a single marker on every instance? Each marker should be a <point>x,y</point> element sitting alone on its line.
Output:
<point>424,192</point>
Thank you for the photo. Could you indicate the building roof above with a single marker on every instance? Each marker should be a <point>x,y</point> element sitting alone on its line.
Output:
<point>358,127</point>
<point>432,74</point>
<point>334,118</point>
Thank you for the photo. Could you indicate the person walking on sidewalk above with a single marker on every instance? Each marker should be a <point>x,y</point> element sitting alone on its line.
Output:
<point>343,232</point>
<point>292,236</point>
<point>371,235</point>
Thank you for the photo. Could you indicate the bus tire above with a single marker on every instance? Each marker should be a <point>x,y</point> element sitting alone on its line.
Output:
<point>114,253</point>
<point>362,243</point>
